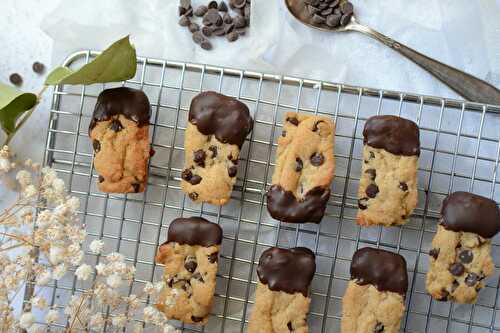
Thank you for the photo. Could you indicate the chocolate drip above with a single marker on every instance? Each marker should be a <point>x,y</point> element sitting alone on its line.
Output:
<point>131,103</point>
<point>194,231</point>
<point>383,269</point>
<point>225,117</point>
<point>290,271</point>
<point>397,135</point>
<point>467,212</point>
<point>284,206</point>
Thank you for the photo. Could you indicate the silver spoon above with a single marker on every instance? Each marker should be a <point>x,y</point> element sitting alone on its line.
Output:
<point>466,85</point>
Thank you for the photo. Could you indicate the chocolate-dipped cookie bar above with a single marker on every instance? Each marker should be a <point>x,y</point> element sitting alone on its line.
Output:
<point>190,256</point>
<point>460,258</point>
<point>281,299</point>
<point>217,128</point>
<point>304,169</point>
<point>119,131</point>
<point>388,186</point>
<point>374,299</point>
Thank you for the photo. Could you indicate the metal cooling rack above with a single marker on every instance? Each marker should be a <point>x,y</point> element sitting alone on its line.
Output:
<point>460,151</point>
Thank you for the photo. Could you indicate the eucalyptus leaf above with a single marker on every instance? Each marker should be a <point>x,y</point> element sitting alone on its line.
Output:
<point>13,103</point>
<point>117,63</point>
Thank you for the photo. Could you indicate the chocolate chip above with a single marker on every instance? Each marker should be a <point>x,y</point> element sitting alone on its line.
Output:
<point>290,327</point>
<point>214,257</point>
<point>198,37</point>
<point>213,5</point>
<point>471,279</point>
<point>206,45</point>
<point>200,11</point>
<point>193,27</point>
<point>233,36</point>
<point>197,276</point>
<point>182,11</point>
<point>327,11</point>
<point>444,297</point>
<point>152,152</point>
<point>184,21</point>
<point>238,3</point>
<point>116,125</point>
<point>16,79</point>
<point>206,31</point>
<point>96,145</point>
<point>239,22</point>
<point>312,10</point>
<point>187,175</point>
<point>317,159</point>
<point>293,121</point>
<point>185,4</point>
<point>333,20</point>
<point>362,203</point>
<point>334,4</point>
<point>223,7</point>
<point>347,8</point>
<point>227,18</point>
<point>38,67</point>
<point>212,17</point>
<point>190,264</point>
<point>101,179</point>
<point>318,19</point>
<point>466,256</point>
<point>372,190</point>
<point>372,155</point>
<point>379,328</point>
<point>454,285</point>
<point>283,134</point>
<point>345,19</point>
<point>298,164</point>
<point>199,157</point>
<point>219,31</point>
<point>213,149</point>
<point>457,269</point>
<point>136,187</point>
<point>232,171</point>
<point>195,180</point>
<point>403,186</point>
<point>170,282</point>
<point>193,196</point>
<point>196,319</point>
<point>372,173</point>
<point>434,253</point>
<point>315,126</point>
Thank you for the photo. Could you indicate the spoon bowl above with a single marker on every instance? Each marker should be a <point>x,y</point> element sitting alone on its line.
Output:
<point>466,85</point>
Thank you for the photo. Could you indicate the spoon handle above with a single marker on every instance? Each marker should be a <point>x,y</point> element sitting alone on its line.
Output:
<point>466,85</point>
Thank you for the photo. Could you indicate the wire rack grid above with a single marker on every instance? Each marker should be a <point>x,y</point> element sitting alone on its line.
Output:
<point>460,151</point>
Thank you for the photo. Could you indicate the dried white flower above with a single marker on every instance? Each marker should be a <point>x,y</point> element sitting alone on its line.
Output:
<point>58,185</point>
<point>43,278</point>
<point>24,178</point>
<point>101,269</point>
<point>51,316</point>
<point>59,271</point>
<point>153,316</point>
<point>30,191</point>
<point>115,256</point>
<point>138,328</point>
<point>96,246</point>
<point>133,302</point>
<point>149,288</point>
<point>119,321</point>
<point>56,255</point>
<point>83,272</point>
<point>97,322</point>
<point>114,280</point>
<point>26,320</point>
<point>39,302</point>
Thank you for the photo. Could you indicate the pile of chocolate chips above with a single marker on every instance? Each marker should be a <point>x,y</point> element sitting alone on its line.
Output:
<point>333,13</point>
<point>216,20</point>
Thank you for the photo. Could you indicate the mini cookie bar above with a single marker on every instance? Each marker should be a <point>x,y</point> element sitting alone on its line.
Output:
<point>387,192</point>
<point>217,128</point>
<point>304,169</point>
<point>460,258</point>
<point>281,300</point>
<point>374,299</point>
<point>119,131</point>
<point>190,256</point>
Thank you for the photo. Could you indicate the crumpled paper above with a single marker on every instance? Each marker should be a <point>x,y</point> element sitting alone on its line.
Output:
<point>460,33</point>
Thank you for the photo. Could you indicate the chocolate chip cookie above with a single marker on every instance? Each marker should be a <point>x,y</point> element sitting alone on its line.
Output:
<point>304,169</point>
<point>387,192</point>
<point>190,257</point>
<point>460,258</point>
<point>374,299</point>
<point>281,300</point>
<point>119,131</point>
<point>217,128</point>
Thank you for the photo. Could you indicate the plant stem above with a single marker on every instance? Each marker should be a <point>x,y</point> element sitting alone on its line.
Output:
<point>26,116</point>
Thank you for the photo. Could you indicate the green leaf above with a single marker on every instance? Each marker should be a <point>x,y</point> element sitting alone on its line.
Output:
<point>117,63</point>
<point>13,103</point>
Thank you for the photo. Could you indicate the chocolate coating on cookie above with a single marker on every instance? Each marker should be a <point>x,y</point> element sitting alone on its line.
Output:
<point>290,271</point>
<point>383,269</point>
<point>225,117</point>
<point>467,212</point>
<point>194,231</point>
<point>284,206</point>
<point>397,135</point>
<point>131,103</point>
